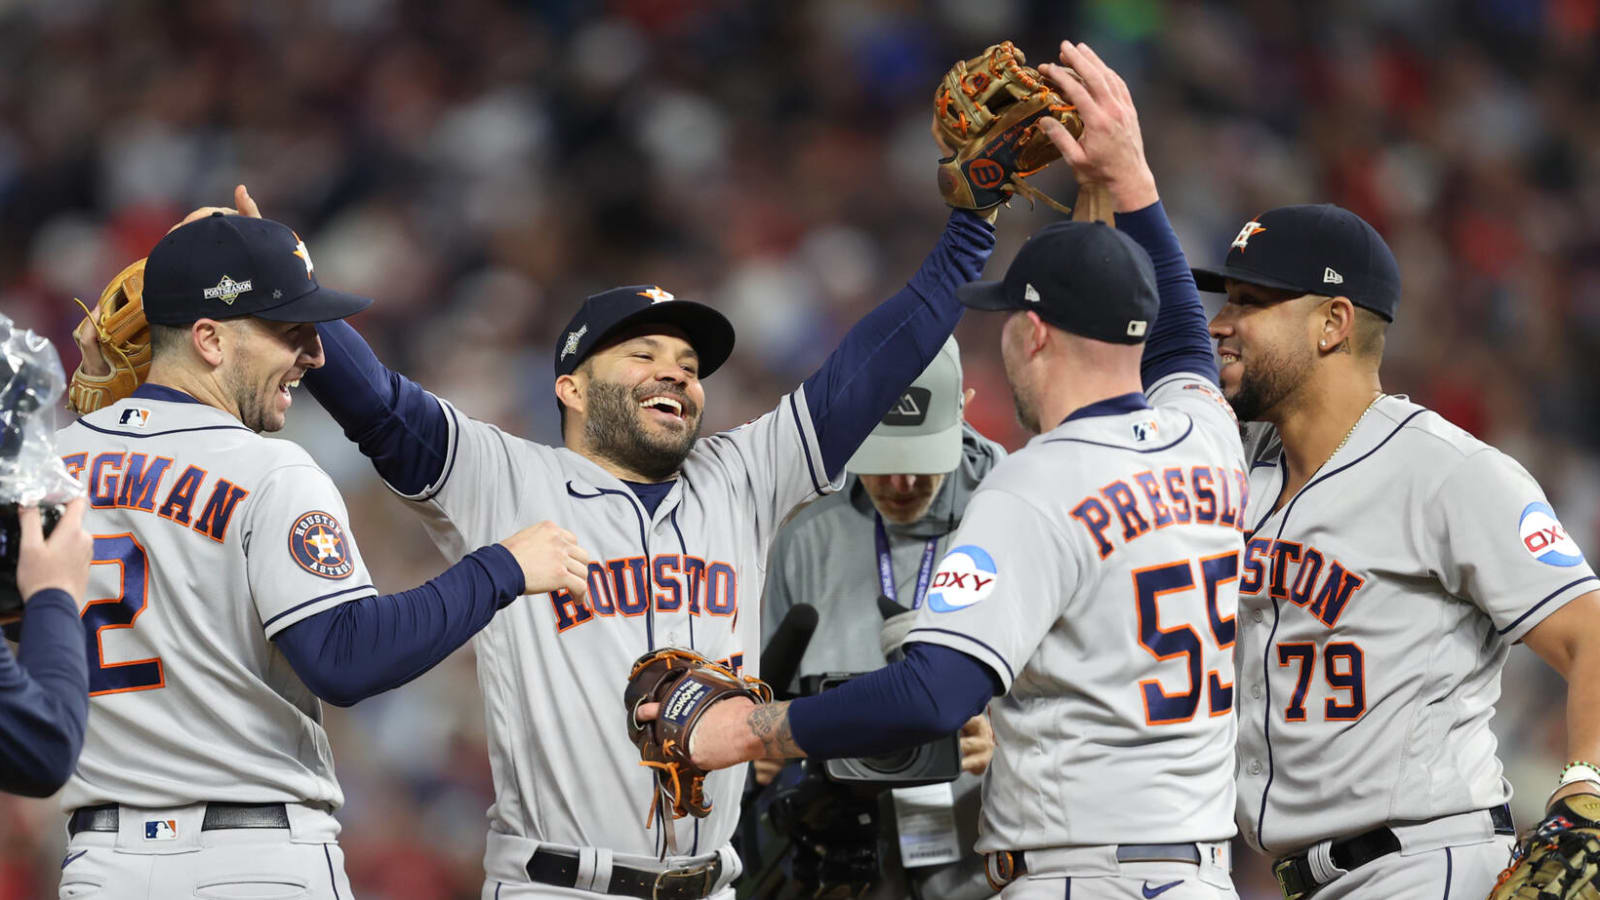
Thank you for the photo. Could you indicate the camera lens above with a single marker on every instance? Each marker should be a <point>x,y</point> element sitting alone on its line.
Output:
<point>890,763</point>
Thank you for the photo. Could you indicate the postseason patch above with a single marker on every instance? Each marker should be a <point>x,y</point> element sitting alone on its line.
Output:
<point>1544,538</point>
<point>318,545</point>
<point>966,576</point>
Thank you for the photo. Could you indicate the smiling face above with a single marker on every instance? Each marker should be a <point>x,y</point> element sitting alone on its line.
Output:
<point>640,400</point>
<point>1267,344</point>
<point>264,360</point>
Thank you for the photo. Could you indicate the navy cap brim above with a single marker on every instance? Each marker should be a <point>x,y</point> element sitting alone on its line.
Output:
<point>1215,281</point>
<point>318,305</point>
<point>710,333</point>
<point>990,295</point>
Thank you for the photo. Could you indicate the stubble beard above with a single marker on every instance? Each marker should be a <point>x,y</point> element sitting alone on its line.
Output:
<point>1266,383</point>
<point>613,430</point>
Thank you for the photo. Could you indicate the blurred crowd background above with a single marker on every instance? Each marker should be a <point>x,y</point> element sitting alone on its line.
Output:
<point>480,166</point>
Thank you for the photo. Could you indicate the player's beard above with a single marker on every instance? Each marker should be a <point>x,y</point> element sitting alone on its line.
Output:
<point>255,412</point>
<point>1268,378</point>
<point>613,429</point>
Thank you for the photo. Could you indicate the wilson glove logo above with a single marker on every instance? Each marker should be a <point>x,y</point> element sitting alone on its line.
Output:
<point>1544,538</point>
<point>966,576</point>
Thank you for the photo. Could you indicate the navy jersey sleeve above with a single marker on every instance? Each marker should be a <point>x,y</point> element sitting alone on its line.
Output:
<point>929,694</point>
<point>1180,340</point>
<point>885,351</point>
<point>398,425</point>
<point>368,646</point>
<point>44,698</point>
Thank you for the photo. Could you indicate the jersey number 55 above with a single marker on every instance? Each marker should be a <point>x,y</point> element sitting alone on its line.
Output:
<point>1150,585</point>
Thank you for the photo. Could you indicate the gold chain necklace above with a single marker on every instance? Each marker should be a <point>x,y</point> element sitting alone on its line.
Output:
<point>1353,427</point>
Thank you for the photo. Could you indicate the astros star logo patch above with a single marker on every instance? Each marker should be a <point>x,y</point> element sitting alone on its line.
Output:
<point>656,295</point>
<point>1250,229</point>
<point>318,545</point>
<point>304,254</point>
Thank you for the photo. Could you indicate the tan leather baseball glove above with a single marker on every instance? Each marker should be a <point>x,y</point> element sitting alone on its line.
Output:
<point>1560,860</point>
<point>117,327</point>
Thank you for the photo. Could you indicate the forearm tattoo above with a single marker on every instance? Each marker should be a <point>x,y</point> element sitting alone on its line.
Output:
<point>770,724</point>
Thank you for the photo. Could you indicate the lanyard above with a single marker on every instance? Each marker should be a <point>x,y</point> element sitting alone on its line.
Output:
<point>886,566</point>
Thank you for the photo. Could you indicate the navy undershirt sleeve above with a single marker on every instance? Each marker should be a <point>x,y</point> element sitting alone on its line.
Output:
<point>44,697</point>
<point>397,424</point>
<point>929,694</point>
<point>1180,341</point>
<point>884,352</point>
<point>368,646</point>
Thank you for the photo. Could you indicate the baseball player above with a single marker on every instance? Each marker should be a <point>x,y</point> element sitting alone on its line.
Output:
<point>1092,586</point>
<point>1392,559</point>
<point>679,526</point>
<point>44,694</point>
<point>226,595</point>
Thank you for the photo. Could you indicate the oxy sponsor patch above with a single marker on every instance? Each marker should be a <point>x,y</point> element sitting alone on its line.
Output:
<point>966,576</point>
<point>1544,538</point>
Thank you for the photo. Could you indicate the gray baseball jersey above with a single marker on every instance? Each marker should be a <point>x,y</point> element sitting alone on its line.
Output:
<point>1377,606</point>
<point>553,668</point>
<point>209,540</point>
<point>1096,574</point>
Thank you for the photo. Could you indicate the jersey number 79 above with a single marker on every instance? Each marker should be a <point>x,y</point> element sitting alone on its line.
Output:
<point>1150,585</point>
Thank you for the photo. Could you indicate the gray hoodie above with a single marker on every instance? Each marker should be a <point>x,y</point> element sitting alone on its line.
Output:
<point>827,556</point>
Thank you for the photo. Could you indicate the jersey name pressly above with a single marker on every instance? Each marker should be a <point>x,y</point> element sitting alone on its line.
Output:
<point>1377,606</point>
<point>1096,573</point>
<point>209,540</point>
<point>553,669</point>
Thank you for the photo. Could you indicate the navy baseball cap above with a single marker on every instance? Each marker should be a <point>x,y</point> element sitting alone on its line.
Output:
<point>224,267</point>
<point>1083,277</point>
<point>1314,248</point>
<point>609,312</point>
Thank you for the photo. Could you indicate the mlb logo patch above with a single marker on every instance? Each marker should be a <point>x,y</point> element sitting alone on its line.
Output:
<point>1145,430</point>
<point>161,830</point>
<point>136,416</point>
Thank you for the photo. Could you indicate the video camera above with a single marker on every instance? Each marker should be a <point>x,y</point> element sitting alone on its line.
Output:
<point>31,383</point>
<point>826,815</point>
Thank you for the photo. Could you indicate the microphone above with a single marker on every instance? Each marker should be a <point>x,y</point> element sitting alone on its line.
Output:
<point>780,661</point>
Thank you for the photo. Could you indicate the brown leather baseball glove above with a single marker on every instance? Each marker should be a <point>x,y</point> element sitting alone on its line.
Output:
<point>1560,860</point>
<point>686,684</point>
<point>986,110</point>
<point>117,327</point>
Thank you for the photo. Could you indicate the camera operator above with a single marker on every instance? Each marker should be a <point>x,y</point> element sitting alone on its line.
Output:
<point>882,535</point>
<point>44,689</point>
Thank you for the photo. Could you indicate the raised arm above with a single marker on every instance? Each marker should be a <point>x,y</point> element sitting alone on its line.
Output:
<point>1111,152</point>
<point>398,425</point>
<point>885,351</point>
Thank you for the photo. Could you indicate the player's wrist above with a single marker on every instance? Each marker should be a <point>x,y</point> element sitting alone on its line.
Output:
<point>1577,777</point>
<point>1133,193</point>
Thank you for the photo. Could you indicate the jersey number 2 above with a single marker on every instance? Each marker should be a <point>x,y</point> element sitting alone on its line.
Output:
<point>100,616</point>
<point>1149,585</point>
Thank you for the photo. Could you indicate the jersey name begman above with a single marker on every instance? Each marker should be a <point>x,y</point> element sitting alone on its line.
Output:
<point>670,582</point>
<point>1202,495</point>
<point>120,480</point>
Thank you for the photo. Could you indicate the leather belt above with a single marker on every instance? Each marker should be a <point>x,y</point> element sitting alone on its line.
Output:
<point>1006,866</point>
<point>694,882</point>
<point>1299,882</point>
<point>219,816</point>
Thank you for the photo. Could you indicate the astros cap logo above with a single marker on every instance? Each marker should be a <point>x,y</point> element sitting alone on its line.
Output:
<point>1250,229</point>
